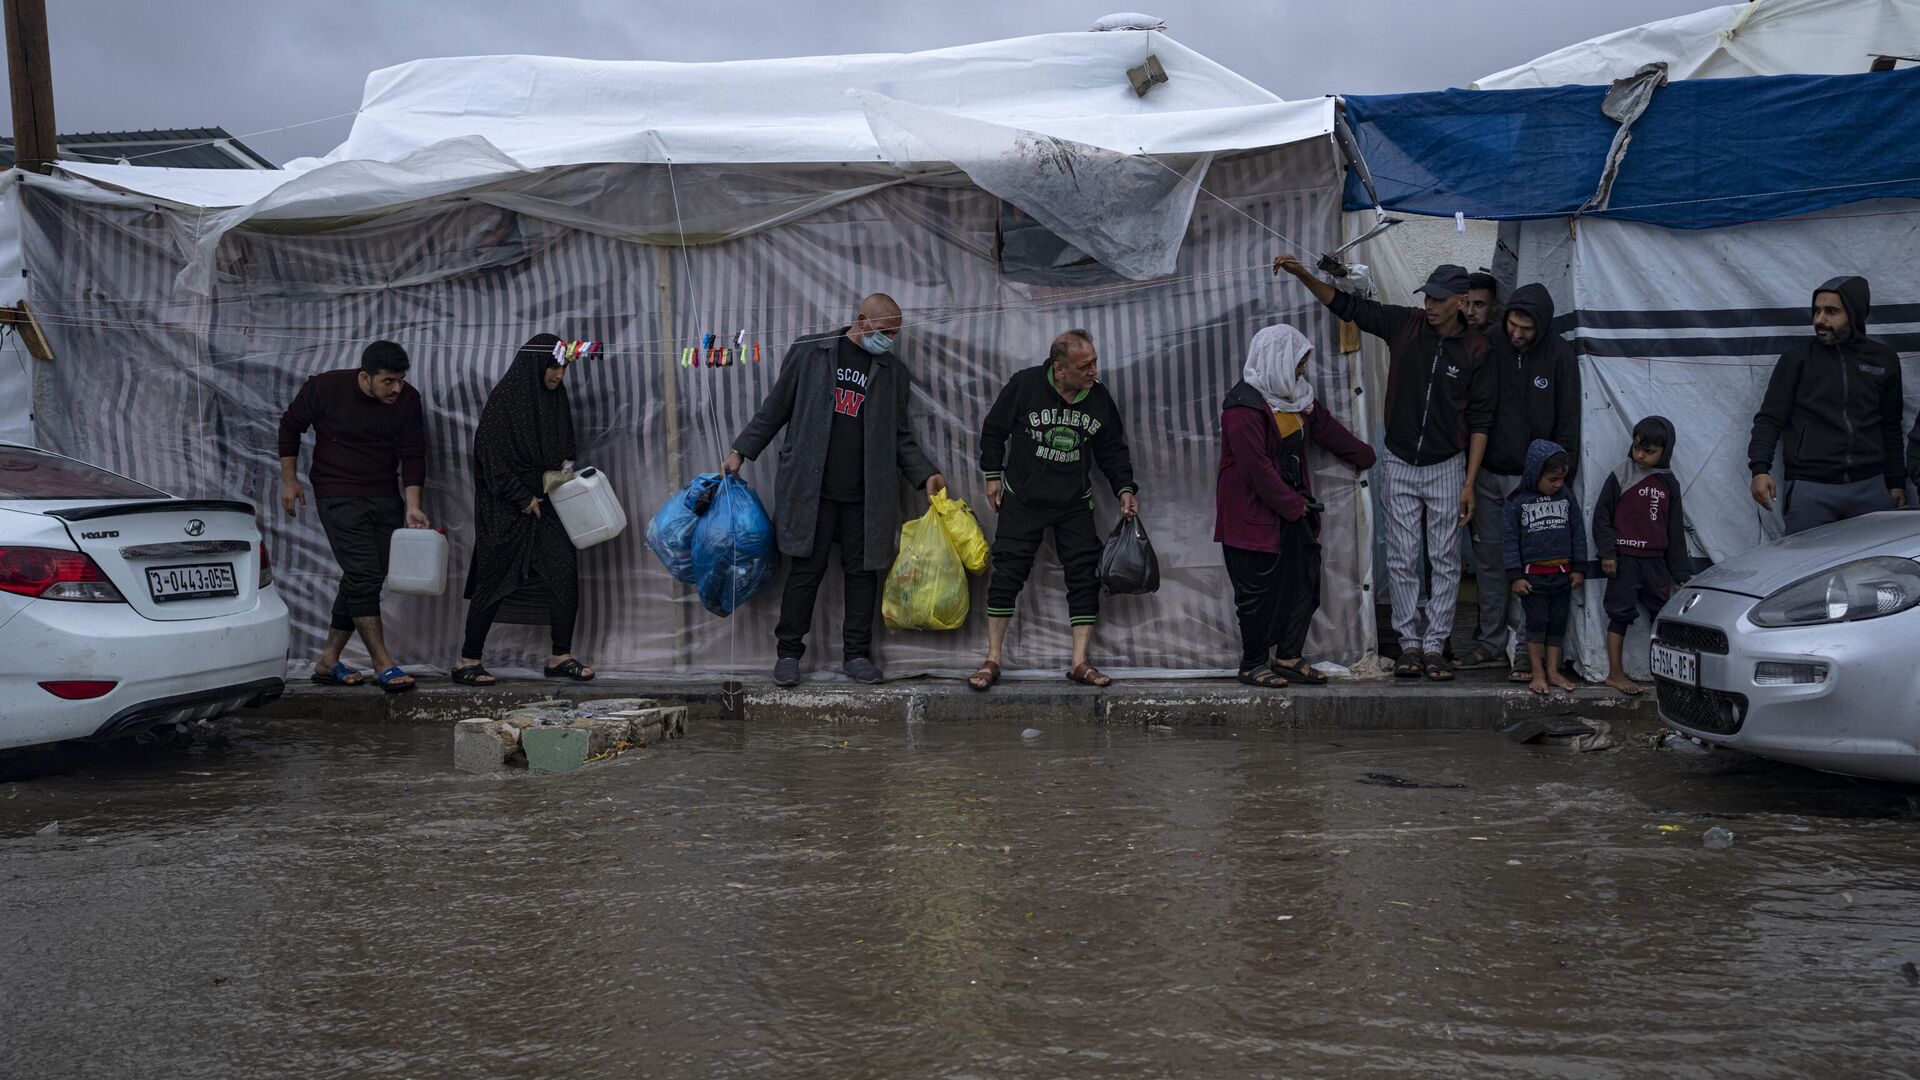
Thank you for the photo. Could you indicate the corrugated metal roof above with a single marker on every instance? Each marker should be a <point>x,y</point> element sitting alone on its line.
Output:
<point>196,149</point>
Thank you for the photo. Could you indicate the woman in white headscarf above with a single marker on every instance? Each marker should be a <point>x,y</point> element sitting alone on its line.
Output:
<point>1266,519</point>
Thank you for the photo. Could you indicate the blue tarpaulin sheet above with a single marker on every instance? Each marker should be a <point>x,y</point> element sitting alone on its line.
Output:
<point>1706,153</point>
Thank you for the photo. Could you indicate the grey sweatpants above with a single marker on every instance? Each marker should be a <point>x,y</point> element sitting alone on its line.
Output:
<point>1499,609</point>
<point>1807,505</point>
<point>1422,502</point>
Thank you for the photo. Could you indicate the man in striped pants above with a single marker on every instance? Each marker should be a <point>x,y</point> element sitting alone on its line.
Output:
<point>1439,392</point>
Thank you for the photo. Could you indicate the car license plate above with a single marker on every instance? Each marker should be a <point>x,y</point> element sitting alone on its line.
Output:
<point>168,583</point>
<point>1676,665</point>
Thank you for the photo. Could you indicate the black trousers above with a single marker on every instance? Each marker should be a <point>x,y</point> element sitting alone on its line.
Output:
<point>1016,539</point>
<point>1547,607</point>
<point>561,618</point>
<point>360,531</point>
<point>1275,595</point>
<point>844,523</point>
<point>1641,580</point>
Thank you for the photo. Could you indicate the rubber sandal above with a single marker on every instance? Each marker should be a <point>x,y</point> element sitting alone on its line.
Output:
<point>1264,677</point>
<point>1409,665</point>
<point>569,669</point>
<point>988,668</point>
<point>341,675</point>
<point>1437,669</point>
<point>471,676</point>
<point>389,680</point>
<point>1088,675</point>
<point>1478,656</point>
<point>1299,673</point>
<point>1520,675</point>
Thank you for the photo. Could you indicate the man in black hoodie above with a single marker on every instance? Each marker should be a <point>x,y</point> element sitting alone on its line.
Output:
<point>1833,407</point>
<point>1536,395</point>
<point>1062,422</point>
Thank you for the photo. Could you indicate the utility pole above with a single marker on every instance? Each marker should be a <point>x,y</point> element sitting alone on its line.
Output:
<point>30,75</point>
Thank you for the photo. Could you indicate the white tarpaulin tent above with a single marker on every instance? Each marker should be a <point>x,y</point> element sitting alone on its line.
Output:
<point>481,200</point>
<point>1765,37</point>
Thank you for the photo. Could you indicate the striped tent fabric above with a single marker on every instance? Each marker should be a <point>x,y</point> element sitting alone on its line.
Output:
<point>184,392</point>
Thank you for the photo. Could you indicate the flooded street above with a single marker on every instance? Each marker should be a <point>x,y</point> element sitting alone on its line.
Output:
<point>913,899</point>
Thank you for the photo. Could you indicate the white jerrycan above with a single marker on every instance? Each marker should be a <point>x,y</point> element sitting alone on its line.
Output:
<point>417,562</point>
<point>588,508</point>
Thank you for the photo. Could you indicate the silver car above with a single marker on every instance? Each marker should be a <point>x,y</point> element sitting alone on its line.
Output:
<point>1805,650</point>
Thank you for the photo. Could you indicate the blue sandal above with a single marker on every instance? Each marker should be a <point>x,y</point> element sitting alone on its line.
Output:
<point>341,675</point>
<point>388,679</point>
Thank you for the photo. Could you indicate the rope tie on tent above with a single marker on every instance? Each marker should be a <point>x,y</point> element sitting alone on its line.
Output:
<point>1202,189</point>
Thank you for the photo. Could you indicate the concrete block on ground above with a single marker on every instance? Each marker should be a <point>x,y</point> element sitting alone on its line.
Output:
<point>556,749</point>
<point>478,746</point>
<point>610,706</point>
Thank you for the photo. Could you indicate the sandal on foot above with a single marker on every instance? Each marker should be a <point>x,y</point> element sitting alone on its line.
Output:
<point>1409,665</point>
<point>1087,675</point>
<point>341,675</point>
<point>984,679</point>
<point>1264,676</point>
<point>1520,675</point>
<point>389,680</point>
<point>1478,656</point>
<point>1299,673</point>
<point>569,669</point>
<point>1437,669</point>
<point>472,675</point>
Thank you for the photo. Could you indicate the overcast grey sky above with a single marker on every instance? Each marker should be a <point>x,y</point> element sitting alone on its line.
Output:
<point>252,65</point>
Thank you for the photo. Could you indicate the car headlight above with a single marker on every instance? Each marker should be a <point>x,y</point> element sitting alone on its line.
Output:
<point>1862,589</point>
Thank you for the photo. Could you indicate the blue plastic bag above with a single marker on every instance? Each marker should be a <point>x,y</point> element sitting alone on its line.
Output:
<point>733,549</point>
<point>670,533</point>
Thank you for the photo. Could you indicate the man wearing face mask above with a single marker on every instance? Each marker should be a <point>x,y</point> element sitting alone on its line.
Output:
<point>843,400</point>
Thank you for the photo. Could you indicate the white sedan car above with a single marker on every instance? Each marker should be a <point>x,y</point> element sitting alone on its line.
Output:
<point>123,608</point>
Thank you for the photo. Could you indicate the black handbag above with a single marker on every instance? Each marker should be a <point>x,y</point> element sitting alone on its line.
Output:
<point>1127,562</point>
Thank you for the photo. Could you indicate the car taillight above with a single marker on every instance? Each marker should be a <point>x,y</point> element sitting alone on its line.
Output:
<point>52,574</point>
<point>266,566</point>
<point>78,689</point>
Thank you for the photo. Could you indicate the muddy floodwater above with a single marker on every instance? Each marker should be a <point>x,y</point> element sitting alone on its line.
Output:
<point>909,899</point>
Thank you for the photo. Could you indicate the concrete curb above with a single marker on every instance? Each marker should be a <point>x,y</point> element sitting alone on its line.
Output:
<point>1356,706</point>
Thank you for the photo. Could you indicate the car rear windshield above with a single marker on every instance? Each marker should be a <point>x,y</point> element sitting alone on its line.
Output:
<point>31,474</point>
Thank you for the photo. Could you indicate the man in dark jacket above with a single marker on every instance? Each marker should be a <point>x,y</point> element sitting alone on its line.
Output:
<point>1482,309</point>
<point>1536,395</point>
<point>844,402</point>
<point>1833,408</point>
<point>368,426</point>
<point>1061,422</point>
<point>1438,391</point>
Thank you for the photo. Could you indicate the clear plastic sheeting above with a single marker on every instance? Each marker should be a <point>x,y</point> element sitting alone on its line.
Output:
<point>1128,211</point>
<point>1688,325</point>
<point>184,391</point>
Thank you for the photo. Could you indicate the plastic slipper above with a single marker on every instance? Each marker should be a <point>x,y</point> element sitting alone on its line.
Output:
<point>389,680</point>
<point>1264,676</point>
<point>341,675</point>
<point>471,676</point>
<point>569,669</point>
<point>1088,675</point>
<point>1409,665</point>
<point>988,668</point>
<point>1437,669</point>
<point>1299,673</point>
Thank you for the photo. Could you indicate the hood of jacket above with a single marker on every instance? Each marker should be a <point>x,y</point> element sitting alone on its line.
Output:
<point>1537,454</point>
<point>1856,296</point>
<point>1532,299</point>
<point>1244,396</point>
<point>1630,472</point>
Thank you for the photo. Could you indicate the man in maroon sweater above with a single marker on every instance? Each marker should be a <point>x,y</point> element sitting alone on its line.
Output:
<point>368,424</point>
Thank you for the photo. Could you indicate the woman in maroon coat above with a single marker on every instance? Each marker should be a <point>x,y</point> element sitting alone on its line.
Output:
<point>1265,517</point>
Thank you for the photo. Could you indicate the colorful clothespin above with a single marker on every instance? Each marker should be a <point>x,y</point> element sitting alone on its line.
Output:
<point>756,352</point>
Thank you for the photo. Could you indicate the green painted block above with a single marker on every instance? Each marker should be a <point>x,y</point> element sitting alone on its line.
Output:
<point>555,749</point>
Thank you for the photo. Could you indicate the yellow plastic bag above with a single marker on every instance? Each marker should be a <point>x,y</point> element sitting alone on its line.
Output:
<point>963,529</point>
<point>927,587</point>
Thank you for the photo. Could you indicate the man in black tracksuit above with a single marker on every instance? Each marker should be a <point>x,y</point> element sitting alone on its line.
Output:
<point>1062,422</point>
<point>1536,395</point>
<point>1833,407</point>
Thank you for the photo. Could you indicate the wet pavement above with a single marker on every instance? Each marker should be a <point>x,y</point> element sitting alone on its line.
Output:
<point>952,899</point>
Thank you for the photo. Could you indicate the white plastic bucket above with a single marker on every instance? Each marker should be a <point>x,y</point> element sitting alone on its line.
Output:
<point>588,509</point>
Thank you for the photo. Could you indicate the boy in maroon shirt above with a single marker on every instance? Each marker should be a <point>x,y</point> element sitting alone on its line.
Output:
<point>368,427</point>
<point>1639,536</point>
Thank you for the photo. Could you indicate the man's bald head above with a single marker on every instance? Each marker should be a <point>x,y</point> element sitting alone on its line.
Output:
<point>881,312</point>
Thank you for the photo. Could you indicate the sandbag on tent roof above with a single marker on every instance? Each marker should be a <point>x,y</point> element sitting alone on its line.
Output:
<point>1764,37</point>
<point>1706,153</point>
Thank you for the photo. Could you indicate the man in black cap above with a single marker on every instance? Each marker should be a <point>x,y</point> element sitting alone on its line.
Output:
<point>1836,400</point>
<point>1439,392</point>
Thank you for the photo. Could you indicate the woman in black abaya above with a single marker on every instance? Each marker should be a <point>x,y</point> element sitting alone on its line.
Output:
<point>521,552</point>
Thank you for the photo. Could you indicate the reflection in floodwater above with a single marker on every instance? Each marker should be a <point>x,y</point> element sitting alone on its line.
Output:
<point>913,899</point>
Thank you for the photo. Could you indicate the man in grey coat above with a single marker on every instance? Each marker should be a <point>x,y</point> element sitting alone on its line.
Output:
<point>844,402</point>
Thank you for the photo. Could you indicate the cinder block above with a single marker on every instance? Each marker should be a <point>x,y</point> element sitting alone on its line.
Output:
<point>556,749</point>
<point>478,747</point>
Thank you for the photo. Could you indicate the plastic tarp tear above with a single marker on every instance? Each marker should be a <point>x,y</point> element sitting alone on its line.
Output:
<point>1128,211</point>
